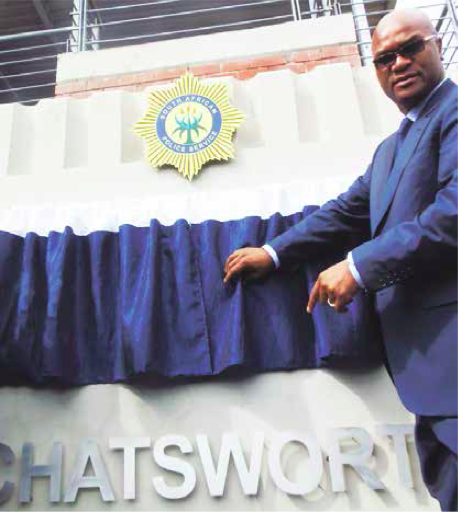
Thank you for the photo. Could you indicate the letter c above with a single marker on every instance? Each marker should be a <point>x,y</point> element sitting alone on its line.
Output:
<point>7,457</point>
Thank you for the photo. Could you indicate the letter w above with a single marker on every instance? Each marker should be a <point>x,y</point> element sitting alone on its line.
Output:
<point>230,445</point>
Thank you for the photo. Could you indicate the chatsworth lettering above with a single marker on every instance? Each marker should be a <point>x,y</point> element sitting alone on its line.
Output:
<point>248,467</point>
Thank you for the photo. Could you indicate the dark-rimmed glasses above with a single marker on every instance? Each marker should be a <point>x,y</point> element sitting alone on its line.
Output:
<point>407,50</point>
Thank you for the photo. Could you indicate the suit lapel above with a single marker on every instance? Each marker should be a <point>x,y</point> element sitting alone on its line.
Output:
<point>386,189</point>
<point>383,165</point>
<point>407,150</point>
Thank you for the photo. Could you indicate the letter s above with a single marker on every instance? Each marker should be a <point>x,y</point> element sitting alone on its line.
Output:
<point>176,465</point>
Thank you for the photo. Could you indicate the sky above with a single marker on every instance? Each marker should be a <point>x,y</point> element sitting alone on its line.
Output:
<point>432,11</point>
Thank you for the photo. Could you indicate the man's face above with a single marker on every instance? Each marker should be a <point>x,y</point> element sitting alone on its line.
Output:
<point>409,79</point>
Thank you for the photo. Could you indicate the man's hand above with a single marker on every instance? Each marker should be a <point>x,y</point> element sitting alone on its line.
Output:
<point>254,262</point>
<point>336,284</point>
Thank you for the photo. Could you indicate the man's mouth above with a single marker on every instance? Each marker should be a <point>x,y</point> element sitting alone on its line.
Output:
<point>405,80</point>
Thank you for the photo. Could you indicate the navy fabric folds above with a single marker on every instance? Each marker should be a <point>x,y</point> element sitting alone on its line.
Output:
<point>108,306</point>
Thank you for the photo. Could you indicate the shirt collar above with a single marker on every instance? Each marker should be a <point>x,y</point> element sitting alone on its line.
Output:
<point>415,112</point>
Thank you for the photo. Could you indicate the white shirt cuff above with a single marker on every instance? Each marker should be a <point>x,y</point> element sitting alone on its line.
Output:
<point>271,252</point>
<point>354,271</point>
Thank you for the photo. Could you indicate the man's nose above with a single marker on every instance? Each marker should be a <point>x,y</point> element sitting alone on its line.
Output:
<point>401,62</point>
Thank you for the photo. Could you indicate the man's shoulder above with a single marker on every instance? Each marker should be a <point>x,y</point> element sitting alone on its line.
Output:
<point>387,143</point>
<point>443,111</point>
<point>452,99</point>
<point>446,99</point>
<point>446,114</point>
<point>451,87</point>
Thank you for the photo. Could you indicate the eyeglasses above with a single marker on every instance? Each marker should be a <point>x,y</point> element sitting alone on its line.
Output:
<point>407,50</point>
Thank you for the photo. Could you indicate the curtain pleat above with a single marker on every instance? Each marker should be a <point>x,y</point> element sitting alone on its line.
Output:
<point>110,306</point>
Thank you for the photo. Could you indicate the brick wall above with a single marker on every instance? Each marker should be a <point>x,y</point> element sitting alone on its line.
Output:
<point>298,62</point>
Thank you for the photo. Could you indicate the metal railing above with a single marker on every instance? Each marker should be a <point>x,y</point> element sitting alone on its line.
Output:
<point>28,59</point>
<point>367,13</point>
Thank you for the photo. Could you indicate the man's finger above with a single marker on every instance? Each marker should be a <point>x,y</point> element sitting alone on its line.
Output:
<point>235,255</point>
<point>340,307</point>
<point>234,269</point>
<point>324,295</point>
<point>253,275</point>
<point>341,304</point>
<point>313,297</point>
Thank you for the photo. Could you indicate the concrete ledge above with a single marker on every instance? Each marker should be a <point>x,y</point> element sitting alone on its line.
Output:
<point>243,69</point>
<point>301,41</point>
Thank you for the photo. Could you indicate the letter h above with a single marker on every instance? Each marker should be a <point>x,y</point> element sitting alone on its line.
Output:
<point>29,471</point>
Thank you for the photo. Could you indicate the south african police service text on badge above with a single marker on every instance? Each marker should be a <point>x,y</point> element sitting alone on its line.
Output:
<point>189,124</point>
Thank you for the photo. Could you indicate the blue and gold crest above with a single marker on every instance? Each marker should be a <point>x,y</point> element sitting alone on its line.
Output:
<point>189,124</point>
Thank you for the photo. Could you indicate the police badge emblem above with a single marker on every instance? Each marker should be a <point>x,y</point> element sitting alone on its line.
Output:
<point>188,125</point>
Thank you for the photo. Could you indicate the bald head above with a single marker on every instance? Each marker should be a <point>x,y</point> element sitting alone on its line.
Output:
<point>412,18</point>
<point>411,70</point>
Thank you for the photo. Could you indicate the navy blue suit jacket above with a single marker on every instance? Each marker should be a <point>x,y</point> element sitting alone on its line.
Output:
<point>402,228</point>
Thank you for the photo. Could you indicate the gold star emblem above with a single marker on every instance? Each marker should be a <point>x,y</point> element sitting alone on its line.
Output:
<point>189,124</point>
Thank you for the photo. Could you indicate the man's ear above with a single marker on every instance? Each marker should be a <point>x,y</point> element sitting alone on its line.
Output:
<point>439,44</point>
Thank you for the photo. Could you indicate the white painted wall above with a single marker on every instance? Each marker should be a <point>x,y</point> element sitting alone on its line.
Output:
<point>309,401</point>
<point>325,123</point>
<point>69,150</point>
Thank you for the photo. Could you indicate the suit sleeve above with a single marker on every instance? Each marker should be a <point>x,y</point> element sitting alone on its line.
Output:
<point>339,225</point>
<point>428,241</point>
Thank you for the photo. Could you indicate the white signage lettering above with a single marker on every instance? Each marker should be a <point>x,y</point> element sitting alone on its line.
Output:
<point>29,471</point>
<point>398,434</point>
<point>357,460</point>
<point>7,458</point>
<point>230,445</point>
<point>129,445</point>
<point>309,480</point>
<point>89,454</point>
<point>176,465</point>
<point>215,470</point>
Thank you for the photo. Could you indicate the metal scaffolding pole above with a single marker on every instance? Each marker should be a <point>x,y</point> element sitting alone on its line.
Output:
<point>78,37</point>
<point>452,8</point>
<point>363,31</point>
<point>296,10</point>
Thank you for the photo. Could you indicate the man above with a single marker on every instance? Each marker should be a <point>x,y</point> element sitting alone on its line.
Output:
<point>399,223</point>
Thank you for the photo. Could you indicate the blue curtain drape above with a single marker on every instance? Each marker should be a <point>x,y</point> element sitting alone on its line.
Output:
<point>108,306</point>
